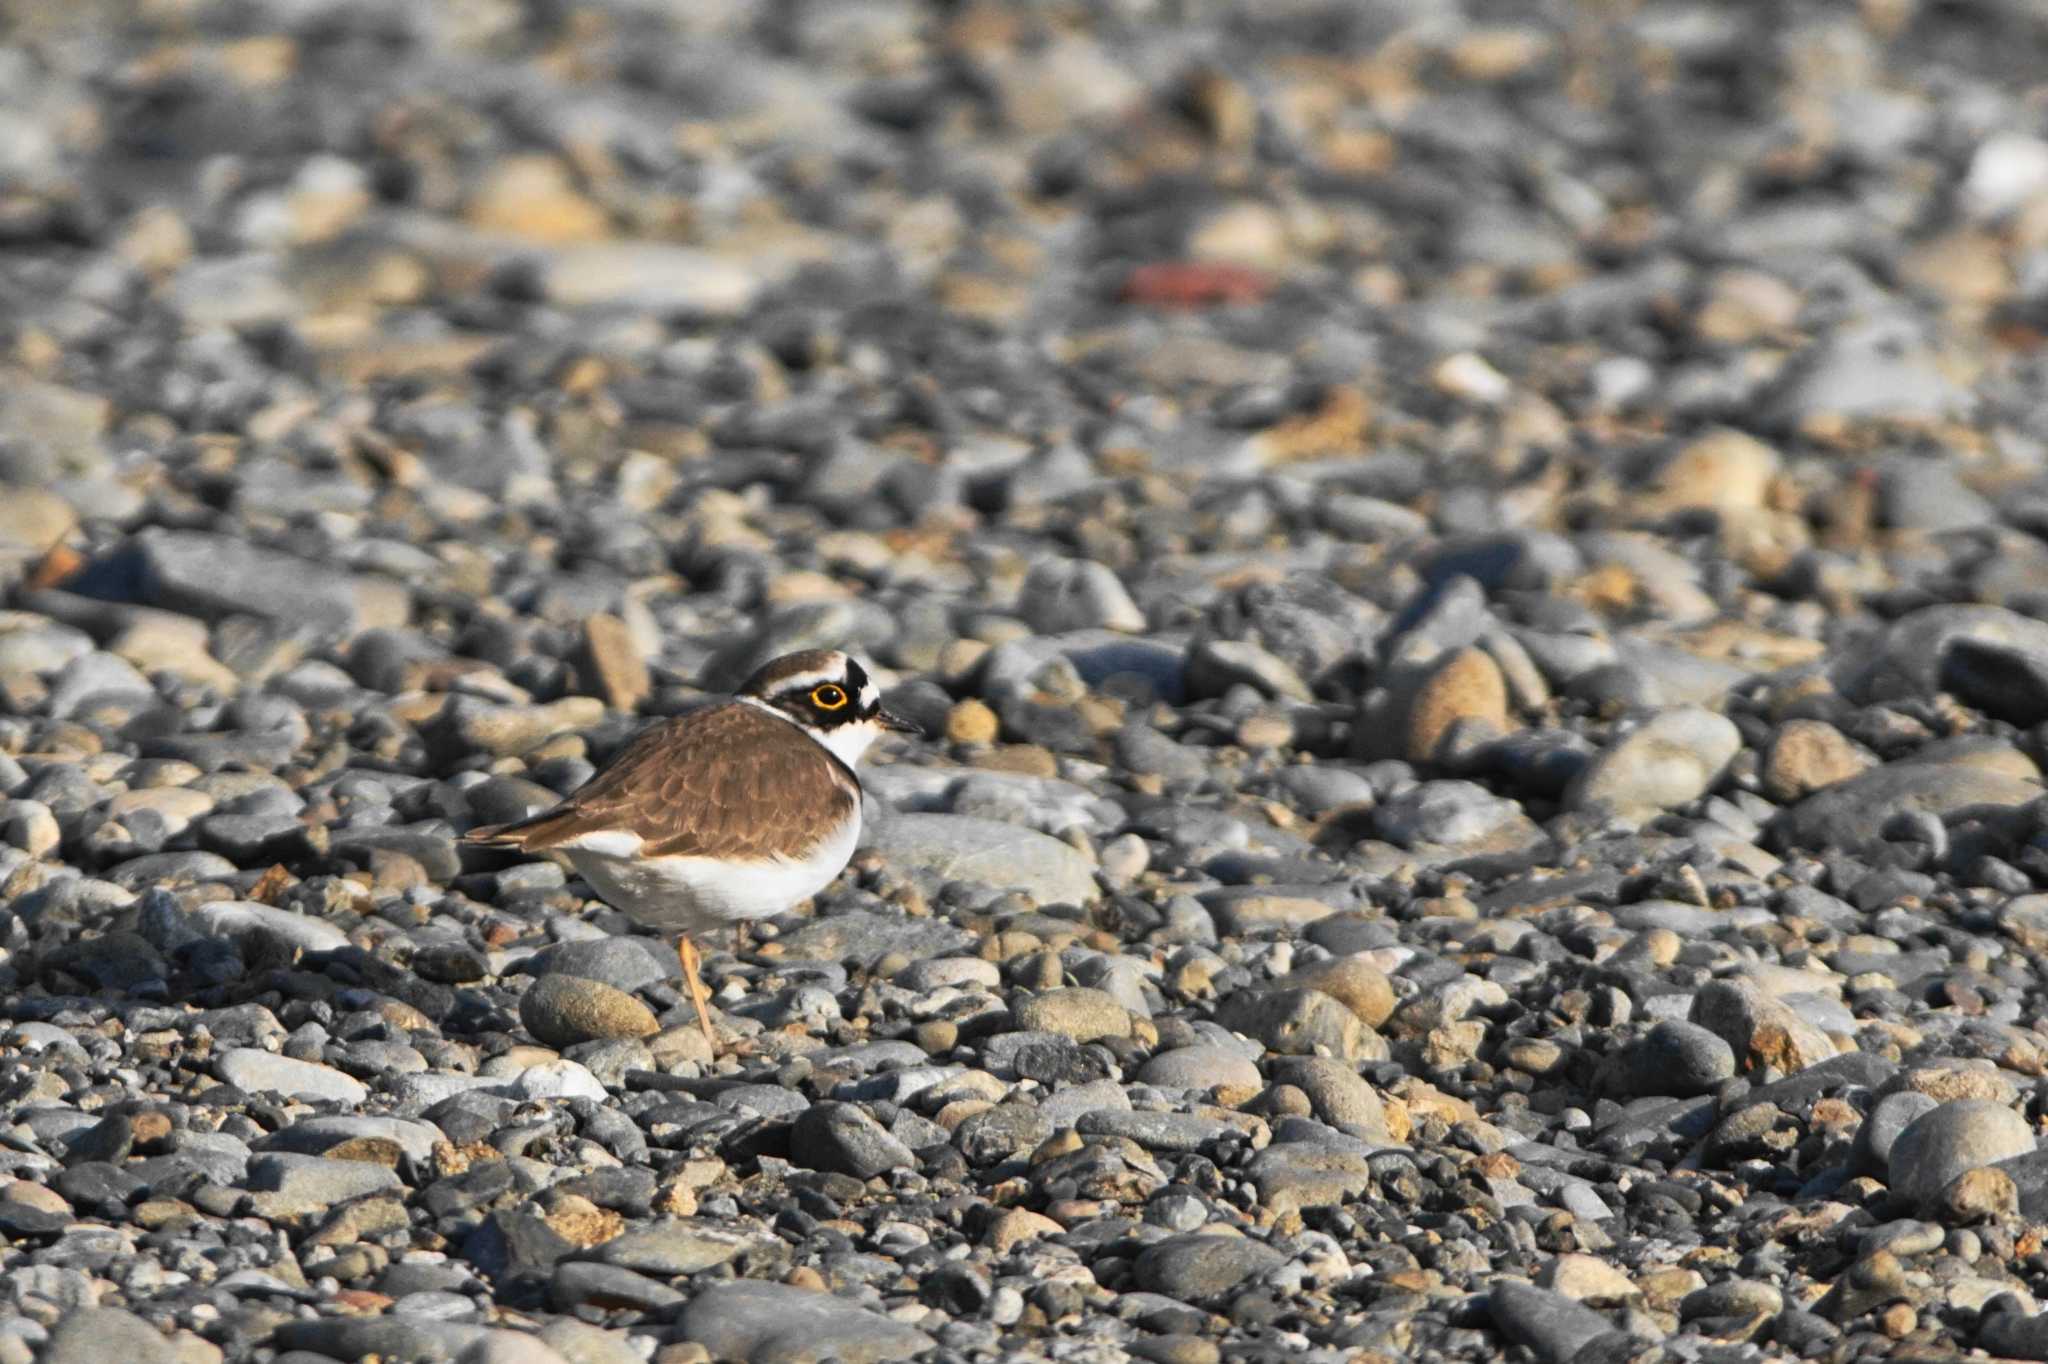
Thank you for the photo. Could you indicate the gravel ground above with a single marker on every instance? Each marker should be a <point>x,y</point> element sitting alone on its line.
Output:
<point>1478,575</point>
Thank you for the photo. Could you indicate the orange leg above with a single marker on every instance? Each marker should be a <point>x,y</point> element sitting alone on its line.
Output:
<point>688,952</point>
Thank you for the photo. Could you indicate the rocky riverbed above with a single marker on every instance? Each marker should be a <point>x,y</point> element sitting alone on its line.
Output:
<point>1477,575</point>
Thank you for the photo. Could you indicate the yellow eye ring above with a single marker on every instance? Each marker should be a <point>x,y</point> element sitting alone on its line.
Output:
<point>828,697</point>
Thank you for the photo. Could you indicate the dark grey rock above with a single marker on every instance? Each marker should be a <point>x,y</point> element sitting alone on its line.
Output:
<point>842,1137</point>
<point>1197,1268</point>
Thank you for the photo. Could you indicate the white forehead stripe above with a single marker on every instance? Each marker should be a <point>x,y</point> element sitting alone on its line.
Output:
<point>805,681</point>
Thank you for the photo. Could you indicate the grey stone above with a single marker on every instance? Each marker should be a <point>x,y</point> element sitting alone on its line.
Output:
<point>1553,1327</point>
<point>1297,1175</point>
<point>1961,1135</point>
<point>98,1334</point>
<point>1852,814</point>
<point>1675,1058</point>
<point>1076,594</point>
<point>1200,1068</point>
<point>672,1247</point>
<point>1671,759</point>
<point>265,1072</point>
<point>958,848</point>
<point>627,964</point>
<point>1888,1117</point>
<point>1195,1268</point>
<point>286,1185</point>
<point>842,1137</point>
<point>245,918</point>
<point>755,1320</point>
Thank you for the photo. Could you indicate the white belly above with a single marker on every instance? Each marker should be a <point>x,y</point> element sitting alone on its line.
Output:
<point>697,894</point>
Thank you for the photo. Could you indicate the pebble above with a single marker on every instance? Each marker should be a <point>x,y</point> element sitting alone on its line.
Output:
<point>1078,1012</point>
<point>961,848</point>
<point>563,1010</point>
<point>86,1335</point>
<point>1196,1268</point>
<point>757,1320</point>
<point>1946,1142</point>
<point>1478,821</point>
<point>262,1071</point>
<point>843,1138</point>
<point>1673,758</point>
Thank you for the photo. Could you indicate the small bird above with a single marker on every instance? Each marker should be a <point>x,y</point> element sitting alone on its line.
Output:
<point>727,814</point>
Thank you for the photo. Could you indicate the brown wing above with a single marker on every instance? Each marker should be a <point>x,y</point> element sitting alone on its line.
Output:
<point>732,781</point>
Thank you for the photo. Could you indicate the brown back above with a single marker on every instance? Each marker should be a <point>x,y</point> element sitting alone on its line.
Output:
<point>731,781</point>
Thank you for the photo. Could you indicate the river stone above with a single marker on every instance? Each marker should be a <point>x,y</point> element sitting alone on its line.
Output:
<point>756,1320</point>
<point>962,848</point>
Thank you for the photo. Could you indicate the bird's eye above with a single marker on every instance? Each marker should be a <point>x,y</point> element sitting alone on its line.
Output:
<point>828,697</point>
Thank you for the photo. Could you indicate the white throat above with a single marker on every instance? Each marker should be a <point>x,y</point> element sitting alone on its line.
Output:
<point>848,743</point>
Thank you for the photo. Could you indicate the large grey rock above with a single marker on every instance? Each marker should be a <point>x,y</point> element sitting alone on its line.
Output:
<point>287,1185</point>
<point>211,576</point>
<point>1076,594</point>
<point>1196,1267</point>
<point>1908,658</point>
<point>1852,814</point>
<point>1669,760</point>
<point>842,1137</point>
<point>960,848</point>
<point>758,1321</point>
<point>266,1072</point>
<point>1961,1135</point>
<point>99,1334</point>
<point>1555,1328</point>
<point>238,919</point>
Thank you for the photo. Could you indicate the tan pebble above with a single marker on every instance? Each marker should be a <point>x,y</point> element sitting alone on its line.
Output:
<point>1807,755</point>
<point>971,722</point>
<point>1586,1278</point>
<point>1285,1101</point>
<point>1722,469</point>
<point>1465,686</point>
<point>531,197</point>
<point>1011,1229</point>
<point>1353,982</point>
<point>1979,1195</point>
<point>1064,1142</point>
<point>1028,760</point>
<point>676,1199</point>
<point>1265,729</point>
<point>580,1222</point>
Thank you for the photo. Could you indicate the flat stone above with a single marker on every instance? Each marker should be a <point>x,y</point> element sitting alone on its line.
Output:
<point>1296,1176</point>
<point>756,1320</point>
<point>672,1247</point>
<point>1852,814</point>
<point>1078,1012</point>
<point>98,1334</point>
<point>1194,1268</point>
<point>286,1185</point>
<point>961,848</point>
<point>238,919</point>
<point>266,1072</point>
<point>1555,1328</point>
<point>1671,759</point>
<point>1201,1068</point>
